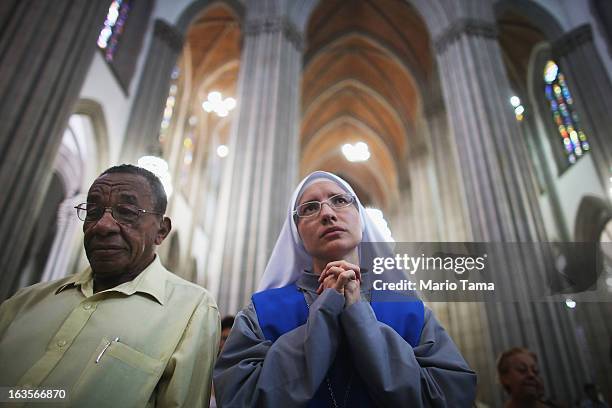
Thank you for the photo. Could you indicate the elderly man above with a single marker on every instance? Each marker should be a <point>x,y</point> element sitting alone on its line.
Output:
<point>125,332</point>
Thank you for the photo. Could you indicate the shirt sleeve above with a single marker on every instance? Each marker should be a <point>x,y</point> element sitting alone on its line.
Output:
<point>187,378</point>
<point>253,371</point>
<point>432,374</point>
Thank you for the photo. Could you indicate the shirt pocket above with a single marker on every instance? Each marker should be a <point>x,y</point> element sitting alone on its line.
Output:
<point>122,377</point>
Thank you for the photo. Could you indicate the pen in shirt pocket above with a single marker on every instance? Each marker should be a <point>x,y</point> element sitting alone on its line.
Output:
<point>116,340</point>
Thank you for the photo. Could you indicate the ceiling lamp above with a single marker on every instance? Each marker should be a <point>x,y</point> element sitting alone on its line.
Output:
<point>216,103</point>
<point>356,153</point>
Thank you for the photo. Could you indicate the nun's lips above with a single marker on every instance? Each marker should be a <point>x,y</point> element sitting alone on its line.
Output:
<point>332,230</point>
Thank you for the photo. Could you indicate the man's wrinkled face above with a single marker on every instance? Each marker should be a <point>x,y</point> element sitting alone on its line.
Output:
<point>332,233</point>
<point>114,249</point>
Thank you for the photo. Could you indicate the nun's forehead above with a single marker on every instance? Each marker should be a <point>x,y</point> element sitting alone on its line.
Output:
<point>309,183</point>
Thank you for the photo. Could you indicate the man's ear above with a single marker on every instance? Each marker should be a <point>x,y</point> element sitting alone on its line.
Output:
<point>164,229</point>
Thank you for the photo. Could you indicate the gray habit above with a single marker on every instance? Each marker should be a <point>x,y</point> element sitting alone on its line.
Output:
<point>386,371</point>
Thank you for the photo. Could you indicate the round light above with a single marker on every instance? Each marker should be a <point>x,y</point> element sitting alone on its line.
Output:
<point>570,303</point>
<point>515,101</point>
<point>229,103</point>
<point>214,96</point>
<point>519,110</point>
<point>207,106</point>
<point>356,153</point>
<point>550,72</point>
<point>222,151</point>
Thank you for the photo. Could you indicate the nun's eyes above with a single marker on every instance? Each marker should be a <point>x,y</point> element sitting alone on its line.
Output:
<point>312,208</point>
<point>339,200</point>
<point>308,209</point>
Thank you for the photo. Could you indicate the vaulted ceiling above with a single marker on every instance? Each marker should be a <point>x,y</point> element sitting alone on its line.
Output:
<point>365,67</point>
<point>211,58</point>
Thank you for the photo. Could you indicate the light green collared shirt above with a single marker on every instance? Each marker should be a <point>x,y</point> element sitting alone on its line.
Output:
<point>148,342</point>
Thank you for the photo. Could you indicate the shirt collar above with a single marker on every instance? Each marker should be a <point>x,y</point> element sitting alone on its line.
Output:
<point>151,280</point>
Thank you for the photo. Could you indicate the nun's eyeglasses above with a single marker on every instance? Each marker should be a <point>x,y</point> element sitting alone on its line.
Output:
<point>313,208</point>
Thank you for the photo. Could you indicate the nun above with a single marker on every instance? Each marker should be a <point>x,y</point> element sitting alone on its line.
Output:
<point>315,335</point>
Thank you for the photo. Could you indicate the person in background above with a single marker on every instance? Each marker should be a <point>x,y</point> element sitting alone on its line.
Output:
<point>125,331</point>
<point>518,373</point>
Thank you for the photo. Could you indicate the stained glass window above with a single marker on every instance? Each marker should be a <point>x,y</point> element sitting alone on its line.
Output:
<point>113,27</point>
<point>572,138</point>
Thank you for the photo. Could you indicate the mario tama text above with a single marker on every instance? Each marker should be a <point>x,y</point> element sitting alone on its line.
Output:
<point>433,286</point>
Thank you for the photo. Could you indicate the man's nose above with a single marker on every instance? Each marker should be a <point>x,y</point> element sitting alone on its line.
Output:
<point>106,223</point>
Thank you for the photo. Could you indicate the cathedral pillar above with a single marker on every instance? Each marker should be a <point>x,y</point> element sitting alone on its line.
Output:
<point>501,200</point>
<point>425,211</point>
<point>46,50</point>
<point>145,118</point>
<point>591,88</point>
<point>453,225</point>
<point>263,161</point>
<point>466,322</point>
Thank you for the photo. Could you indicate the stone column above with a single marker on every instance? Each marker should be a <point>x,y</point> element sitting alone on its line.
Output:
<point>453,226</point>
<point>466,322</point>
<point>261,169</point>
<point>45,51</point>
<point>147,110</point>
<point>424,203</point>
<point>502,203</point>
<point>591,88</point>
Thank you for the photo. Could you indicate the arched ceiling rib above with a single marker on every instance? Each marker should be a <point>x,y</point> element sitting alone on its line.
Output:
<point>366,67</point>
<point>352,98</point>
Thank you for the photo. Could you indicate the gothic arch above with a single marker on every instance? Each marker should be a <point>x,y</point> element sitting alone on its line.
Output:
<point>198,7</point>
<point>94,111</point>
<point>591,218</point>
<point>537,15</point>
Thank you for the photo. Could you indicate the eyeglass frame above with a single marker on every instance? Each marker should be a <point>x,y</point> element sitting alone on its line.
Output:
<point>296,216</point>
<point>140,211</point>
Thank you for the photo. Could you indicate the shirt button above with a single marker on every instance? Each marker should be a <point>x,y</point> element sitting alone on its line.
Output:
<point>87,306</point>
<point>61,343</point>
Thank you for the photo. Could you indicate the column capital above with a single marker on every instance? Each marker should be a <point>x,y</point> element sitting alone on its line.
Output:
<point>168,34</point>
<point>469,26</point>
<point>572,40</point>
<point>275,24</point>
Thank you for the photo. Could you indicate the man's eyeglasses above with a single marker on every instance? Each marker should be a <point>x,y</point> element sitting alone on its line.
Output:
<point>313,208</point>
<point>122,213</point>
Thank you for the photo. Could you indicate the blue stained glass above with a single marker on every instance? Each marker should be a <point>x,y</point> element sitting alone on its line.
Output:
<point>553,105</point>
<point>113,27</point>
<point>574,141</point>
<point>548,91</point>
